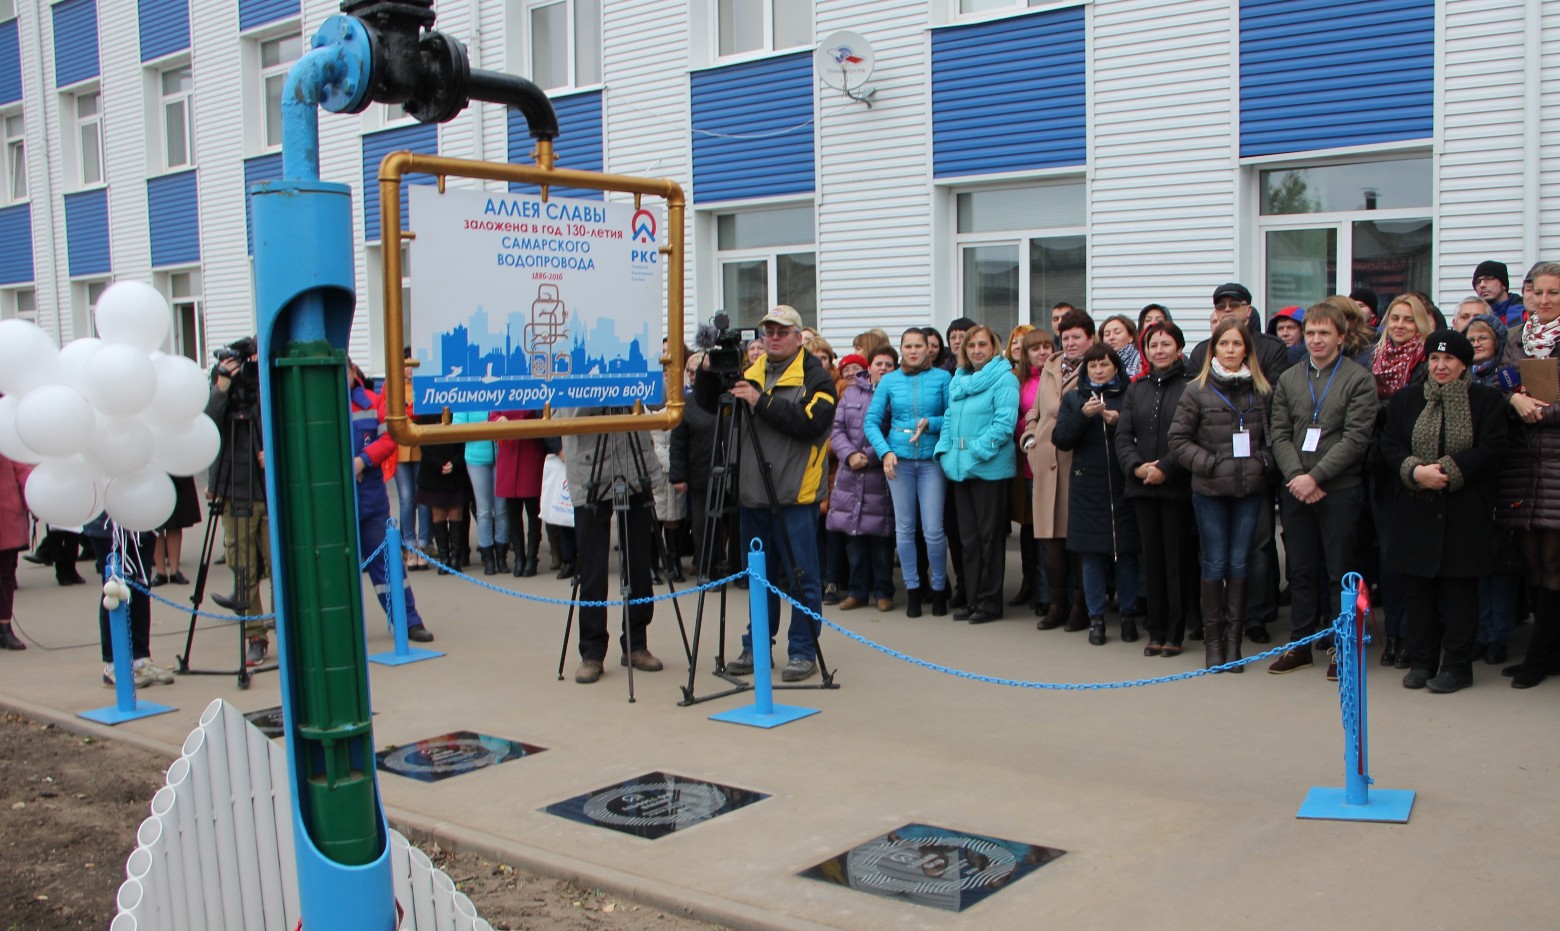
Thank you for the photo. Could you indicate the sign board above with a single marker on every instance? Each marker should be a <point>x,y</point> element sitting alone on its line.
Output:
<point>844,60</point>
<point>519,302</point>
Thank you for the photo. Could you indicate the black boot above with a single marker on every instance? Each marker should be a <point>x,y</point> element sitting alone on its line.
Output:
<point>1234,620</point>
<point>489,565</point>
<point>1543,648</point>
<point>519,569</point>
<point>1213,600</point>
<point>8,639</point>
<point>939,602</point>
<point>501,557</point>
<point>913,603</point>
<point>443,546</point>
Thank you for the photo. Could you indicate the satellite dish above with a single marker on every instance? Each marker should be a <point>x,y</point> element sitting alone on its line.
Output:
<point>844,61</point>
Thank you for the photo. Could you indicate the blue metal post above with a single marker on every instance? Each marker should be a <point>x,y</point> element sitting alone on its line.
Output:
<point>1356,783</point>
<point>763,712</point>
<point>395,578</point>
<point>125,707</point>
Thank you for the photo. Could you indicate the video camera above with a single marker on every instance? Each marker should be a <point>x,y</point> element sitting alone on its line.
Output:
<point>728,354</point>
<point>244,393</point>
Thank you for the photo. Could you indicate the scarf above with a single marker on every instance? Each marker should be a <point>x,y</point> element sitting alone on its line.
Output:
<point>1444,428</point>
<point>1069,366</point>
<point>1393,363</point>
<point>1224,374</point>
<point>1131,360</point>
<point>1539,339</point>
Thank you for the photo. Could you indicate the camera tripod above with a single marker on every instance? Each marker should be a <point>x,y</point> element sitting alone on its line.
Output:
<point>623,501</point>
<point>243,573</point>
<point>733,419</point>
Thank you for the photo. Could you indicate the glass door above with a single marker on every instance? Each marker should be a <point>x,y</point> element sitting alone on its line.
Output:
<point>1300,267</point>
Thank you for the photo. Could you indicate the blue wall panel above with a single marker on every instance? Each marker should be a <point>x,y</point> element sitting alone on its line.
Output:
<point>257,169</point>
<point>252,13</point>
<point>75,41</point>
<point>578,145</point>
<point>769,105</point>
<point>1008,95</point>
<point>165,27</point>
<point>86,233</point>
<point>10,62</point>
<point>422,138</point>
<point>1318,74</point>
<point>16,257</point>
<point>173,216</point>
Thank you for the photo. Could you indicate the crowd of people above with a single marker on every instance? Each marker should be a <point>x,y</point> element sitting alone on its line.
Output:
<point>1348,435</point>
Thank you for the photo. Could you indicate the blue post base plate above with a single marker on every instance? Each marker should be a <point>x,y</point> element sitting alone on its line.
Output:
<point>750,715</point>
<point>112,715</point>
<point>413,655</point>
<point>1384,805</point>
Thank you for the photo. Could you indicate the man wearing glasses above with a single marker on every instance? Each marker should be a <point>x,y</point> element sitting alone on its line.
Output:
<point>1232,301</point>
<point>790,397</point>
<point>1492,282</point>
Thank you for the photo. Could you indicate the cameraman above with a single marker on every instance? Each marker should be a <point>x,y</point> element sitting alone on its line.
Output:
<point>238,486</point>
<point>791,399</point>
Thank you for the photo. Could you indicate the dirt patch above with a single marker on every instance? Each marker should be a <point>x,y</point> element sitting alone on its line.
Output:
<point>69,807</point>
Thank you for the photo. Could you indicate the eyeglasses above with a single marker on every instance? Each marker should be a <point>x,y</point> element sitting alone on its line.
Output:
<point>1230,305</point>
<point>775,332</point>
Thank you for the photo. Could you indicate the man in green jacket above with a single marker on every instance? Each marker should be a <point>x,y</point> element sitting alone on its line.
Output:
<point>1323,415</point>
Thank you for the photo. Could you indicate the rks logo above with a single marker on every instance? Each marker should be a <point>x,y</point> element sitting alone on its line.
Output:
<point>643,226</point>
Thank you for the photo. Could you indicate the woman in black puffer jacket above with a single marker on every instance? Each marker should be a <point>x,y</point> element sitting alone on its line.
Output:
<point>1158,487</point>
<point>1220,435</point>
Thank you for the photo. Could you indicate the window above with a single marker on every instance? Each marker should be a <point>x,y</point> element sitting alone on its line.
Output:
<point>565,48</point>
<point>1021,250</point>
<point>1327,229</point>
<point>183,289</point>
<point>15,130</point>
<point>276,57</point>
<point>88,114</point>
<point>767,257</point>
<point>763,25</point>
<point>19,304</point>
<point>966,7</point>
<point>376,299</point>
<point>84,296</point>
<point>175,86</point>
<point>7,10</point>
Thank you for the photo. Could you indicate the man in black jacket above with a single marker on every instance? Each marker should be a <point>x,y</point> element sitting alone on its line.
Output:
<point>1232,300</point>
<point>238,480</point>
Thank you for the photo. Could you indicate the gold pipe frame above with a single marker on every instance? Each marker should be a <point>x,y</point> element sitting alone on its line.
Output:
<point>397,165</point>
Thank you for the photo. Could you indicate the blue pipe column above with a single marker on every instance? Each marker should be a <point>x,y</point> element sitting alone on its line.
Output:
<point>304,276</point>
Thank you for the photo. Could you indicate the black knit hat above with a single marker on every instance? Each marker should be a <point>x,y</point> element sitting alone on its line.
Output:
<point>1489,268</point>
<point>1450,341</point>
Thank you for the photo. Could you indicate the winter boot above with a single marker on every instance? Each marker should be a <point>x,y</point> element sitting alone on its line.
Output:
<point>443,545</point>
<point>1234,620</point>
<point>939,602</point>
<point>489,565</point>
<point>1213,596</point>
<point>1078,617</point>
<point>913,602</point>
<point>501,557</point>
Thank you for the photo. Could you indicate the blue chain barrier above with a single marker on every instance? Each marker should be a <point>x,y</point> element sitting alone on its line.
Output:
<point>244,618</point>
<point>511,593</point>
<point>1054,686</point>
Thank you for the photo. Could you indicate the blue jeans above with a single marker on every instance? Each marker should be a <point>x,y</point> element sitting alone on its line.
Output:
<point>1497,607</point>
<point>492,522</point>
<point>1096,576</point>
<point>871,566</point>
<point>1226,527</point>
<point>416,519</point>
<point>801,528</point>
<point>919,484</point>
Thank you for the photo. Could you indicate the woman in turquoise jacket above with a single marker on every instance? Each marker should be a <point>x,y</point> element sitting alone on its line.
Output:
<point>903,424</point>
<point>976,453</point>
<point>492,521</point>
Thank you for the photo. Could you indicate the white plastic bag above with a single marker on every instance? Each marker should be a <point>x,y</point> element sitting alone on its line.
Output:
<point>557,506</point>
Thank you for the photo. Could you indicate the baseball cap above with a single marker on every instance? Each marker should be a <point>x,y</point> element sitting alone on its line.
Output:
<point>785,315</point>
<point>1232,289</point>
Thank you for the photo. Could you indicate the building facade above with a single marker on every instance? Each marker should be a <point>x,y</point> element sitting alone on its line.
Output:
<point>1009,154</point>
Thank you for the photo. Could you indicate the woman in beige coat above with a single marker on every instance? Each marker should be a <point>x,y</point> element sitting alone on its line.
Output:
<point>1053,468</point>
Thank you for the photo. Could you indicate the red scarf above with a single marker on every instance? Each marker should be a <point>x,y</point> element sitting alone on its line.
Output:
<point>1393,363</point>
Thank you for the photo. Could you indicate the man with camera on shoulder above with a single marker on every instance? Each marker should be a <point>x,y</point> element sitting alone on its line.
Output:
<point>790,398</point>
<point>237,486</point>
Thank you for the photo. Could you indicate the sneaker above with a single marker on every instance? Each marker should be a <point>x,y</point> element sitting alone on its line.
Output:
<point>831,594</point>
<point>798,669</point>
<point>643,660</point>
<point>160,674</point>
<point>140,676</point>
<point>257,650</point>
<point>743,665</point>
<point>589,671</point>
<point>1290,660</point>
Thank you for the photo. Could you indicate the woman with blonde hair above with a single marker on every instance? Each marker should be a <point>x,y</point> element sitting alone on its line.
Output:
<point>1015,344</point>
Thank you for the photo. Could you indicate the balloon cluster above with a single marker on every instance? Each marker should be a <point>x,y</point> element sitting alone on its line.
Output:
<point>107,420</point>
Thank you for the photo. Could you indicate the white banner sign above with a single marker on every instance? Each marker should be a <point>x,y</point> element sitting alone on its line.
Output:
<point>519,302</point>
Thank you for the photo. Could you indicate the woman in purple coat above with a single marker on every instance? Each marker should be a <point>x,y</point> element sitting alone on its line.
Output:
<point>859,506</point>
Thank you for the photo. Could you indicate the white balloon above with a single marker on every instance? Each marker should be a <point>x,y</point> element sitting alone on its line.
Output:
<point>74,357</point>
<point>28,357</point>
<point>186,448</point>
<point>142,500</point>
<point>11,445</point>
<point>120,381</point>
<point>134,313</point>
<point>55,420</point>
<point>120,446</point>
<point>182,391</point>
<point>61,492</point>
